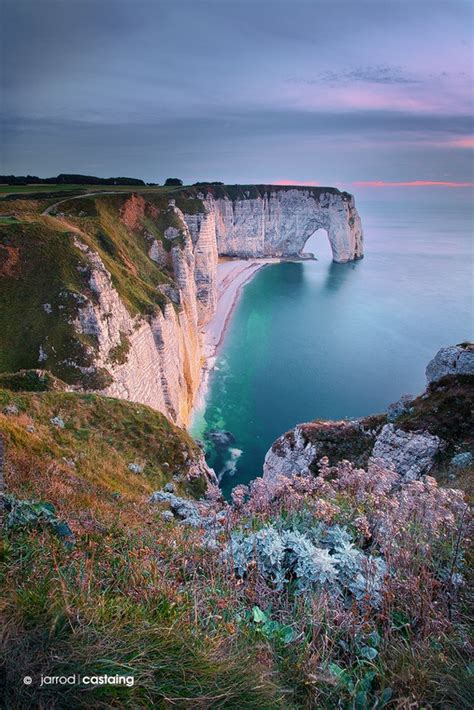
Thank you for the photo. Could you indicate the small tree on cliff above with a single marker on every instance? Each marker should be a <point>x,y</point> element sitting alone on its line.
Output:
<point>173,182</point>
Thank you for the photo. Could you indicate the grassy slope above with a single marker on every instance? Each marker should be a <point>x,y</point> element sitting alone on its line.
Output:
<point>39,264</point>
<point>101,435</point>
<point>138,595</point>
<point>135,595</point>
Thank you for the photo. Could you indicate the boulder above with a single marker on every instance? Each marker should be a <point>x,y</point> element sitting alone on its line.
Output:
<point>401,406</point>
<point>135,468</point>
<point>410,454</point>
<point>453,360</point>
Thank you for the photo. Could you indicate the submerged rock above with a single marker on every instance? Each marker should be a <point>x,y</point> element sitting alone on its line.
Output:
<point>220,437</point>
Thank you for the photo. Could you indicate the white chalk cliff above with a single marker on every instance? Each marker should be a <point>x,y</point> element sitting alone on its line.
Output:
<point>163,358</point>
<point>279,223</point>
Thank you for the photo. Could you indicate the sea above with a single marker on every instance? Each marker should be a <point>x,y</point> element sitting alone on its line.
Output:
<point>318,340</point>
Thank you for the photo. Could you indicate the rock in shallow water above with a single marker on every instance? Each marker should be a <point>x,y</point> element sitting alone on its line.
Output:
<point>220,438</point>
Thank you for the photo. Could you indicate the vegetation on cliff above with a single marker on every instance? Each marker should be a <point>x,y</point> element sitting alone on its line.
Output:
<point>99,579</point>
<point>46,276</point>
<point>444,410</point>
<point>90,438</point>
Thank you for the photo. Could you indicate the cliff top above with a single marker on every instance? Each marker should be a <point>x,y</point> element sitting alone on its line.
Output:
<point>243,192</point>
<point>234,192</point>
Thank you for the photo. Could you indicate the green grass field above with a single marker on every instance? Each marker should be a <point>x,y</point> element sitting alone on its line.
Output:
<point>26,189</point>
<point>9,220</point>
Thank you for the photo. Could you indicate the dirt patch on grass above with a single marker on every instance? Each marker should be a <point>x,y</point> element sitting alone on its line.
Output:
<point>9,261</point>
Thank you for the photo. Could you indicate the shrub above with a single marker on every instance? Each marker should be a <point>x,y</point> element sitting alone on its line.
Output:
<point>286,557</point>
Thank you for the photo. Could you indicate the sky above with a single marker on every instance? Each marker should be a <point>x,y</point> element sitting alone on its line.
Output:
<point>333,92</point>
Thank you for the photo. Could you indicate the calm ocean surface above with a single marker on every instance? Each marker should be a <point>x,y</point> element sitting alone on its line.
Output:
<point>321,340</point>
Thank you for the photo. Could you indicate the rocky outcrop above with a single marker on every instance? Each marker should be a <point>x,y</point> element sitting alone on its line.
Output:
<point>291,453</point>
<point>300,449</point>
<point>417,436</point>
<point>410,454</point>
<point>453,360</point>
<point>401,406</point>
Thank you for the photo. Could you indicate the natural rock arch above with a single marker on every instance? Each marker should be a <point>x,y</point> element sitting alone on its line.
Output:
<point>279,223</point>
<point>317,244</point>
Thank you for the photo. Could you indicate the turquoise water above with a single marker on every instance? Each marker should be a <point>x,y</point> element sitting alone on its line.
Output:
<point>322,340</point>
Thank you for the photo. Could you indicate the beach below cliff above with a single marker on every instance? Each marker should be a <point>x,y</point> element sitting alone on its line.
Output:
<point>232,275</point>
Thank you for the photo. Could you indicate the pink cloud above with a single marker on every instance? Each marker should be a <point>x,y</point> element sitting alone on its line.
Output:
<point>424,97</point>
<point>467,142</point>
<point>412,183</point>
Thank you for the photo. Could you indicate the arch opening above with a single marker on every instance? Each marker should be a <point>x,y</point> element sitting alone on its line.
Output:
<point>317,245</point>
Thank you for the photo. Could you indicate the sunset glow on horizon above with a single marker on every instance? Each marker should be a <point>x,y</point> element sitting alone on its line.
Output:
<point>412,183</point>
<point>377,183</point>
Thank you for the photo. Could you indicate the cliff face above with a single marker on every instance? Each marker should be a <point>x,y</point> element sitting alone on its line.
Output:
<point>134,280</point>
<point>154,360</point>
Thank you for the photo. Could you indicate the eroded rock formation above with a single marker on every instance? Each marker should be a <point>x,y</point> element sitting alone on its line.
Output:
<point>279,223</point>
